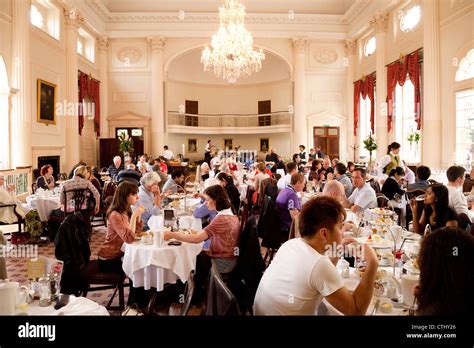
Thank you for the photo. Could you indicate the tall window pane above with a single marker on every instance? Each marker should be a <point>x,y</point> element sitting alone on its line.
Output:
<point>464,126</point>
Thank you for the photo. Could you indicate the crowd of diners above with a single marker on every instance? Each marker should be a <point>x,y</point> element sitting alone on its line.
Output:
<point>301,274</point>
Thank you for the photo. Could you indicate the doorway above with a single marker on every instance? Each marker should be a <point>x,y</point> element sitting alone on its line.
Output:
<point>264,107</point>
<point>191,107</point>
<point>328,138</point>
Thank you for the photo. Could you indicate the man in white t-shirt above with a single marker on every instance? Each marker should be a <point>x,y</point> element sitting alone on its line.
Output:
<point>363,196</point>
<point>303,271</point>
<point>284,181</point>
<point>167,154</point>
<point>457,200</point>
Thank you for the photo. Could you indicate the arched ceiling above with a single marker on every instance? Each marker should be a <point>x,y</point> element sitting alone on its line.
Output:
<point>188,68</point>
<point>330,7</point>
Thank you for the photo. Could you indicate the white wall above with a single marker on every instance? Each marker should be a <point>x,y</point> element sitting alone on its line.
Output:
<point>229,99</point>
<point>281,142</point>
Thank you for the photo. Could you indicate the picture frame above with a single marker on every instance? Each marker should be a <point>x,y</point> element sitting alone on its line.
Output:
<point>46,101</point>
<point>192,145</point>
<point>264,144</point>
<point>228,144</point>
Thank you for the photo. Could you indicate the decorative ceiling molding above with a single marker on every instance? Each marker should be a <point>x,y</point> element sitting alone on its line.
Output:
<point>300,44</point>
<point>350,46</point>
<point>163,17</point>
<point>380,22</point>
<point>103,43</point>
<point>325,55</point>
<point>355,10</point>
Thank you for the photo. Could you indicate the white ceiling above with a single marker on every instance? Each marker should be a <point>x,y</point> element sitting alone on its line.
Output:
<point>188,68</point>
<point>330,7</point>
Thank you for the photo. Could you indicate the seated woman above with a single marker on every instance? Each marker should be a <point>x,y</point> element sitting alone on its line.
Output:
<point>436,212</point>
<point>224,230</point>
<point>205,171</point>
<point>121,227</point>
<point>46,180</point>
<point>227,182</point>
<point>446,281</point>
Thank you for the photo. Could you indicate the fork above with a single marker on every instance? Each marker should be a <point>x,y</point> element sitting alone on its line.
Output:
<point>376,306</point>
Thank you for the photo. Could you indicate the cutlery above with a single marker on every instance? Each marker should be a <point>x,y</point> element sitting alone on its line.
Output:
<point>376,306</point>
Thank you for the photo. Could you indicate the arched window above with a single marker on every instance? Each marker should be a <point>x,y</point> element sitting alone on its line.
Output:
<point>36,17</point>
<point>370,46</point>
<point>464,104</point>
<point>410,19</point>
<point>466,67</point>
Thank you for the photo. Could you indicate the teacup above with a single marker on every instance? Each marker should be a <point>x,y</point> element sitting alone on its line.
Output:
<point>408,283</point>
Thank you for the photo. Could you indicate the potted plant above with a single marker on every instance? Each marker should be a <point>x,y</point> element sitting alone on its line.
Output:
<point>126,144</point>
<point>370,145</point>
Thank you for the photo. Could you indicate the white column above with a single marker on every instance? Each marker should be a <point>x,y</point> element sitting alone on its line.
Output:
<point>431,139</point>
<point>300,125</point>
<point>102,44</point>
<point>157,104</point>
<point>20,149</point>
<point>349,63</point>
<point>6,144</point>
<point>380,22</point>
<point>73,20</point>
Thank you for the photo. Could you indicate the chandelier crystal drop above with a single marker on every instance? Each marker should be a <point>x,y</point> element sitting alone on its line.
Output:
<point>231,55</point>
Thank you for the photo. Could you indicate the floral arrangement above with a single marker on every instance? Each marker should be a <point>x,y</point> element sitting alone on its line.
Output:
<point>370,145</point>
<point>414,136</point>
<point>126,143</point>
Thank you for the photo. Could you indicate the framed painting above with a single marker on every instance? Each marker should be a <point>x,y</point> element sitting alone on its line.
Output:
<point>228,144</point>
<point>46,101</point>
<point>264,144</point>
<point>192,145</point>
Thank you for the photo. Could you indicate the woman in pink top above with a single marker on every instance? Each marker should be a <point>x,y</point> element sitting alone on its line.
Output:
<point>119,221</point>
<point>224,230</point>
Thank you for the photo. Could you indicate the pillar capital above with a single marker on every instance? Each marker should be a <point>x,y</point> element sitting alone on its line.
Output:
<point>380,22</point>
<point>156,43</point>
<point>103,43</point>
<point>73,17</point>
<point>350,47</point>
<point>300,44</point>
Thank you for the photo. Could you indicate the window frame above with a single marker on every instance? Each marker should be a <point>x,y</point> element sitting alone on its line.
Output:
<point>372,37</point>
<point>403,14</point>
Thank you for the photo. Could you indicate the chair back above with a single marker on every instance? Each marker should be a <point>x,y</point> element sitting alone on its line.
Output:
<point>220,301</point>
<point>383,201</point>
<point>33,188</point>
<point>269,226</point>
<point>375,185</point>
<point>188,294</point>
<point>81,199</point>
<point>109,189</point>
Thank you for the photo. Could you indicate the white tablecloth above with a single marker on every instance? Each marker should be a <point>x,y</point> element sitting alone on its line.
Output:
<point>43,205</point>
<point>351,284</point>
<point>150,266</point>
<point>76,306</point>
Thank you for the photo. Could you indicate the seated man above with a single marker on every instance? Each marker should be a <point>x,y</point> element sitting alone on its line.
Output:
<point>423,173</point>
<point>303,271</point>
<point>363,196</point>
<point>457,200</point>
<point>284,181</point>
<point>149,197</point>
<point>172,185</point>
<point>340,175</point>
<point>287,202</point>
<point>8,196</point>
<point>115,168</point>
<point>130,174</point>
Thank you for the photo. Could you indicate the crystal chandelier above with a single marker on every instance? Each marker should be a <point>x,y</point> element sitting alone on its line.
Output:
<point>232,55</point>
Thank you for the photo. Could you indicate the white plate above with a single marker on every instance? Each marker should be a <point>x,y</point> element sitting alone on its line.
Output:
<point>411,235</point>
<point>387,212</point>
<point>378,244</point>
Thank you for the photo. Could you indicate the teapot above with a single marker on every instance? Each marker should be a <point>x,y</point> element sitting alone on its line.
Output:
<point>13,296</point>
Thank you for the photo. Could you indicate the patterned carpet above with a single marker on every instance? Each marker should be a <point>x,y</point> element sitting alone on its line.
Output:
<point>17,267</point>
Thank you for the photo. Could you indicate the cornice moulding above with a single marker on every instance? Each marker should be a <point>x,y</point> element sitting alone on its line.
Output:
<point>209,85</point>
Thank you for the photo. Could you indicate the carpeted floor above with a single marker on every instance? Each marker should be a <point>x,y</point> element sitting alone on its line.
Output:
<point>17,267</point>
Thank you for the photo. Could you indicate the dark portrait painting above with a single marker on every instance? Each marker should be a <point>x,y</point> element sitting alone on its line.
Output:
<point>46,102</point>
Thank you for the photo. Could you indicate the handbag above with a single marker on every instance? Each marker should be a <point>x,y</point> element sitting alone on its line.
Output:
<point>132,311</point>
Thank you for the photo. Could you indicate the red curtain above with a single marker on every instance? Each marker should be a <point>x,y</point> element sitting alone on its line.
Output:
<point>364,87</point>
<point>89,88</point>
<point>397,73</point>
